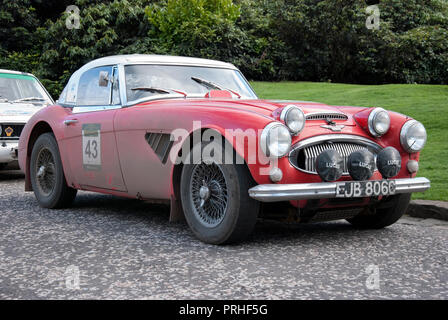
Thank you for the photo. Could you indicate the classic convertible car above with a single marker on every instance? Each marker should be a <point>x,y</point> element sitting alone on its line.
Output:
<point>193,134</point>
<point>21,95</point>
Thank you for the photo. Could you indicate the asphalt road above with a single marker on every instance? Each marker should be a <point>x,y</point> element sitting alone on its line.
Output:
<point>107,247</point>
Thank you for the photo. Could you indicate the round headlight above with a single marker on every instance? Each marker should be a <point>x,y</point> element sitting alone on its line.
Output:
<point>294,118</point>
<point>275,140</point>
<point>413,136</point>
<point>379,122</point>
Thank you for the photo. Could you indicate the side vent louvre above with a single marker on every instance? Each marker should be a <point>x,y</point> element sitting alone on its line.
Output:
<point>160,143</point>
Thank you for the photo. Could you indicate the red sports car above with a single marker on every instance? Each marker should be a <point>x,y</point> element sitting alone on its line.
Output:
<point>193,134</point>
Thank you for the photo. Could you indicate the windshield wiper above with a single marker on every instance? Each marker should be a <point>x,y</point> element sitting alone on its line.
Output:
<point>214,86</point>
<point>29,99</point>
<point>160,90</point>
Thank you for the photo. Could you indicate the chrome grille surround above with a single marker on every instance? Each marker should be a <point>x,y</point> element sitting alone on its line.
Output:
<point>326,116</point>
<point>309,149</point>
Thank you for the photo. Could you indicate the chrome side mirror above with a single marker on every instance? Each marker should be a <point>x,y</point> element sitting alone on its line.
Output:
<point>103,80</point>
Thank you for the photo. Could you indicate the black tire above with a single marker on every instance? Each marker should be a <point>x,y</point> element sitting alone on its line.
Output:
<point>385,215</point>
<point>218,221</point>
<point>3,166</point>
<point>47,175</point>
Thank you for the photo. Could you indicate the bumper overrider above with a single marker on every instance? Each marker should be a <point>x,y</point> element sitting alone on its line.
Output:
<point>324,190</point>
<point>8,151</point>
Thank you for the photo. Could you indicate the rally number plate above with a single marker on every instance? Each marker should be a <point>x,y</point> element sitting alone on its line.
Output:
<point>359,189</point>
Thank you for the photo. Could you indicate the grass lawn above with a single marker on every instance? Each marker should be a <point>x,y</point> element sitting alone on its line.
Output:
<point>426,103</point>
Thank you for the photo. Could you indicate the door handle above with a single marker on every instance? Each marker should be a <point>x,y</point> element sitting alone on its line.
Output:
<point>70,121</point>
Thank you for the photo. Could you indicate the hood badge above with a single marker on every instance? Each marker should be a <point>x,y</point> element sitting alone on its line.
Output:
<point>9,131</point>
<point>333,127</point>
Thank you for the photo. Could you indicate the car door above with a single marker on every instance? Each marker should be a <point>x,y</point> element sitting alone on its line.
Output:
<point>89,133</point>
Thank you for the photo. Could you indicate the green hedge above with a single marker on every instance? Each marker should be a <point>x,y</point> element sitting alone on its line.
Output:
<point>312,40</point>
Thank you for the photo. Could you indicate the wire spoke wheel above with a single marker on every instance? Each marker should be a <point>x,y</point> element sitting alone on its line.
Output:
<point>45,171</point>
<point>209,195</point>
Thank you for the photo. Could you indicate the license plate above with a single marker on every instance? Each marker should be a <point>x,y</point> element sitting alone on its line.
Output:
<point>359,189</point>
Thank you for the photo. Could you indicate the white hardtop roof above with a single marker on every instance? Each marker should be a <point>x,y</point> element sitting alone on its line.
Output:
<point>15,72</point>
<point>155,59</point>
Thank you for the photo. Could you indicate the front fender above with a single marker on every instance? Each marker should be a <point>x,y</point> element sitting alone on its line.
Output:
<point>49,119</point>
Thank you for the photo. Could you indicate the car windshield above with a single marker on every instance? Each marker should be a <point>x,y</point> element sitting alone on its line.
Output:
<point>141,80</point>
<point>17,88</point>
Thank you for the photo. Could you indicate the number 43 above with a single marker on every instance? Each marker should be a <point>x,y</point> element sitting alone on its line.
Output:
<point>91,149</point>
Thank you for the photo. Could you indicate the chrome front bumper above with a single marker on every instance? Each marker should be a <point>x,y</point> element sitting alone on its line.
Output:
<point>8,151</point>
<point>323,190</point>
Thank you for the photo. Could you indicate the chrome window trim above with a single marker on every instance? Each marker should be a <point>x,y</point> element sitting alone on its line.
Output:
<point>81,109</point>
<point>330,138</point>
<point>114,78</point>
<point>122,84</point>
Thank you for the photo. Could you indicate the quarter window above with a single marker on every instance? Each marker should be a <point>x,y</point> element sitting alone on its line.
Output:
<point>90,93</point>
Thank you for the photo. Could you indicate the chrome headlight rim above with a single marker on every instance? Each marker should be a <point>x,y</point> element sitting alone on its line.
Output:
<point>371,122</point>
<point>264,140</point>
<point>284,117</point>
<point>404,136</point>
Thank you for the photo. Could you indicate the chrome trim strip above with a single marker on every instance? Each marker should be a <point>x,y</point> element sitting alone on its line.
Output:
<point>94,108</point>
<point>70,121</point>
<point>122,85</point>
<point>323,190</point>
<point>334,138</point>
<point>412,185</point>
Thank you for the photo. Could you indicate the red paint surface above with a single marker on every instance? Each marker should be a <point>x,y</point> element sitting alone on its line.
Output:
<point>130,166</point>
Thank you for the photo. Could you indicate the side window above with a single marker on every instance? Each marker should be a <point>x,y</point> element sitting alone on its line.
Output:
<point>90,93</point>
<point>72,90</point>
<point>63,95</point>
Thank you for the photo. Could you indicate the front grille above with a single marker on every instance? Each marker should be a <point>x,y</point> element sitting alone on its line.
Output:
<point>326,116</point>
<point>305,158</point>
<point>16,131</point>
